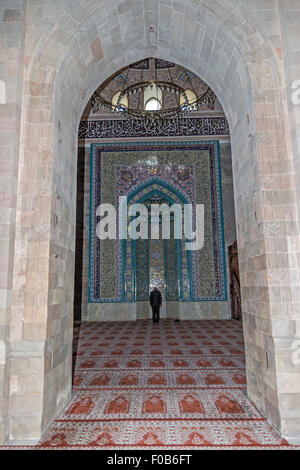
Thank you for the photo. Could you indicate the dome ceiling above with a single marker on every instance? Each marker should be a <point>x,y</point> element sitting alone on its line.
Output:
<point>153,87</point>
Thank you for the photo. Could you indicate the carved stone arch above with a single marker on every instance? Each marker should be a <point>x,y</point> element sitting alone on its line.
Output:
<point>223,42</point>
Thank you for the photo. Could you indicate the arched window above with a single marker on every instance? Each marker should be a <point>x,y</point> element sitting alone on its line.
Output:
<point>152,98</point>
<point>191,97</point>
<point>123,102</point>
<point>153,105</point>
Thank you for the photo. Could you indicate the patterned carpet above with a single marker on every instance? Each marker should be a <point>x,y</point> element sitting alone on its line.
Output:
<point>171,385</point>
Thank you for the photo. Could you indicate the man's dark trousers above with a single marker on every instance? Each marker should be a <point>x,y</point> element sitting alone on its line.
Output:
<point>155,302</point>
<point>155,313</point>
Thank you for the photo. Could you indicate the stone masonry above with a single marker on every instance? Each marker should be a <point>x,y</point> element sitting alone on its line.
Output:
<point>54,55</point>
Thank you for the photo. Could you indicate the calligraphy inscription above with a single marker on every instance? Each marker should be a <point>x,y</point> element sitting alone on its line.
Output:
<point>119,128</point>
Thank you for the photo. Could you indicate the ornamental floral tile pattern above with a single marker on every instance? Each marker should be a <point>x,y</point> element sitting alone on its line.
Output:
<point>142,270</point>
<point>178,172</point>
<point>171,269</point>
<point>159,272</point>
<point>132,405</point>
<point>157,268</point>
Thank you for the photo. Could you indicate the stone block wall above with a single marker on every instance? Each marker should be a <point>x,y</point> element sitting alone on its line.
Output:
<point>287,328</point>
<point>240,49</point>
<point>12,37</point>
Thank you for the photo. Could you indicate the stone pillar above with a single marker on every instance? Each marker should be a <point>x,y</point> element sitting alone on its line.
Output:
<point>71,48</point>
<point>287,325</point>
<point>12,31</point>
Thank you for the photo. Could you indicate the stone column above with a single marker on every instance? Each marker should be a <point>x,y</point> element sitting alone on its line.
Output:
<point>12,31</point>
<point>287,327</point>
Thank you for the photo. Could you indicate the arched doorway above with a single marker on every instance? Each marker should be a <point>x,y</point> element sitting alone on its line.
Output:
<point>61,76</point>
<point>157,262</point>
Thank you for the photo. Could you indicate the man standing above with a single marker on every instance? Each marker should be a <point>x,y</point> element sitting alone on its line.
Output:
<point>155,302</point>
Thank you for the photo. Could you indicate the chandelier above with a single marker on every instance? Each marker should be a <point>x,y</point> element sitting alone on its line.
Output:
<point>162,91</point>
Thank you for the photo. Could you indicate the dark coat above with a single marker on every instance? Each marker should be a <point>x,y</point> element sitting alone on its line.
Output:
<point>155,298</point>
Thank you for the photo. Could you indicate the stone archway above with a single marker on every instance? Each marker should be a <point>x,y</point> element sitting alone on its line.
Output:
<point>224,44</point>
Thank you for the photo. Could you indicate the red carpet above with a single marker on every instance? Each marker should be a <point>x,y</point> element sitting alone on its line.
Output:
<point>172,385</point>
<point>167,386</point>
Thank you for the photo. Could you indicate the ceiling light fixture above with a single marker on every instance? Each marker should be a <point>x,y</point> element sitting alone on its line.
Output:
<point>152,100</point>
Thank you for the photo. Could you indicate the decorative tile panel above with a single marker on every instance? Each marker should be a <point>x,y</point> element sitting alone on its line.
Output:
<point>179,173</point>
